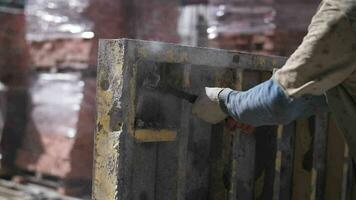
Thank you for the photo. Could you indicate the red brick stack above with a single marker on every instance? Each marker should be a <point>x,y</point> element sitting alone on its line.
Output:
<point>59,134</point>
<point>58,139</point>
<point>288,19</point>
<point>13,51</point>
<point>156,20</point>
<point>13,66</point>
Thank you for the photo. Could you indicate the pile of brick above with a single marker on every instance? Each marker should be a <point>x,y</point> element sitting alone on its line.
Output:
<point>156,20</point>
<point>72,53</point>
<point>14,49</point>
<point>58,139</point>
<point>263,26</point>
<point>14,59</point>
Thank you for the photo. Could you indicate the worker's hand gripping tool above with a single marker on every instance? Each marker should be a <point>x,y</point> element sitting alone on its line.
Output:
<point>230,123</point>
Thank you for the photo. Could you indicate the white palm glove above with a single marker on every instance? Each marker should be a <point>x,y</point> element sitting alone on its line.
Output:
<point>207,107</point>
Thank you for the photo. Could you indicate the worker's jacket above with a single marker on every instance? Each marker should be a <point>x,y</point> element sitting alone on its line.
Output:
<point>325,63</point>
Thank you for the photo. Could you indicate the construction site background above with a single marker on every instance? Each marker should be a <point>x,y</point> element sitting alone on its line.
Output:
<point>48,52</point>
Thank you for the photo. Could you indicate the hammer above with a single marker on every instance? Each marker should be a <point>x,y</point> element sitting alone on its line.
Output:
<point>152,82</point>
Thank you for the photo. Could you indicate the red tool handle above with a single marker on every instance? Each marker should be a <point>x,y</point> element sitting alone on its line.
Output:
<point>232,125</point>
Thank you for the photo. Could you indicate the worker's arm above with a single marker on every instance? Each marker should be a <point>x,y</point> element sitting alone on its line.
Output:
<point>264,104</point>
<point>325,59</point>
<point>267,104</point>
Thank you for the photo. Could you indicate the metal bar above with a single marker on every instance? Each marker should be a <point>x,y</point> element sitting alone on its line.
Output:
<point>350,179</point>
<point>112,133</point>
<point>244,159</point>
<point>208,57</point>
<point>284,162</point>
<point>243,153</point>
<point>347,176</point>
<point>183,140</point>
<point>319,156</point>
<point>199,140</point>
<point>119,169</point>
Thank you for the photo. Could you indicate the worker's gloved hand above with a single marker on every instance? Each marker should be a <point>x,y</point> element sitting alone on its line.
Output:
<point>207,107</point>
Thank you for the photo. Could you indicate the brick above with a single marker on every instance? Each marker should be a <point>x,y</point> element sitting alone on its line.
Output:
<point>157,20</point>
<point>60,53</point>
<point>48,146</point>
<point>109,18</point>
<point>13,49</point>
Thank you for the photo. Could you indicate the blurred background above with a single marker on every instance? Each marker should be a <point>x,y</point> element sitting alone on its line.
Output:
<point>48,51</point>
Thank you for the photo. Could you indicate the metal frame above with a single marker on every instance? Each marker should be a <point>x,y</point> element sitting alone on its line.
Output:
<point>119,148</point>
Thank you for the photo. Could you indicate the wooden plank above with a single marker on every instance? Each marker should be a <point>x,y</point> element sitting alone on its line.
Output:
<point>199,139</point>
<point>220,151</point>
<point>167,157</point>
<point>243,153</point>
<point>167,168</point>
<point>243,165</point>
<point>183,152</point>
<point>284,162</point>
<point>319,156</point>
<point>335,162</point>
<point>302,163</point>
<point>232,192</point>
<point>219,163</point>
<point>278,164</point>
<point>266,147</point>
<point>148,115</point>
<point>143,171</point>
<point>183,139</point>
<point>347,176</point>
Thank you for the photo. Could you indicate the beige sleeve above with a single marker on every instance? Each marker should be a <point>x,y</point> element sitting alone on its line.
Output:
<point>327,55</point>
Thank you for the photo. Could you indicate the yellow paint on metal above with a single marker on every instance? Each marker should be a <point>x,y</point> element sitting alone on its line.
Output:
<point>301,176</point>
<point>186,76</point>
<point>345,170</point>
<point>262,62</point>
<point>170,55</point>
<point>183,57</point>
<point>259,184</point>
<point>313,184</point>
<point>278,161</point>
<point>274,62</point>
<point>151,135</point>
<point>334,177</point>
<point>142,52</point>
<point>233,177</point>
<point>106,140</point>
